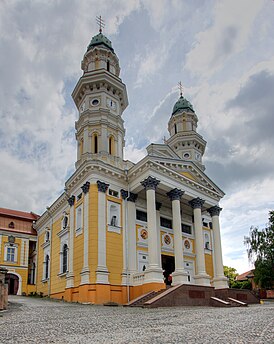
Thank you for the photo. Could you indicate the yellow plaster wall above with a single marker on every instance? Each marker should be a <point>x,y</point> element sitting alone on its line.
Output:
<point>78,250</point>
<point>114,251</point>
<point>42,287</point>
<point>93,231</point>
<point>209,265</point>
<point>57,283</point>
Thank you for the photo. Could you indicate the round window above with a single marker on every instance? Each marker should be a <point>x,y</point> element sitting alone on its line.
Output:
<point>187,244</point>
<point>95,102</point>
<point>186,155</point>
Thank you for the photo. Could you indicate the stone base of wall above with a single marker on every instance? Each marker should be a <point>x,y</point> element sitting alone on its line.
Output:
<point>243,295</point>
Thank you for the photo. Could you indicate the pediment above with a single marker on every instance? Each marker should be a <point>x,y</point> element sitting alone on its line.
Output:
<point>161,150</point>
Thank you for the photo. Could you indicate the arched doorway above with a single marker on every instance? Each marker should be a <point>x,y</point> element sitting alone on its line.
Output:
<point>13,283</point>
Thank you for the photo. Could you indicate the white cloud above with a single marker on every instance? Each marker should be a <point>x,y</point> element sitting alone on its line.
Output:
<point>227,35</point>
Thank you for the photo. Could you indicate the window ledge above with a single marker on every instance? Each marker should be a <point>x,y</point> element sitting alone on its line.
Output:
<point>62,274</point>
<point>114,229</point>
<point>78,231</point>
<point>45,280</point>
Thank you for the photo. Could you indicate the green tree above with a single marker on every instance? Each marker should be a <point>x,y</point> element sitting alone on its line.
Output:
<point>231,274</point>
<point>260,250</point>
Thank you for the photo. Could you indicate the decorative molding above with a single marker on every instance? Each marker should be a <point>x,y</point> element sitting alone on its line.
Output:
<point>150,183</point>
<point>175,194</point>
<point>85,187</point>
<point>71,200</point>
<point>132,197</point>
<point>214,211</point>
<point>196,203</point>
<point>102,186</point>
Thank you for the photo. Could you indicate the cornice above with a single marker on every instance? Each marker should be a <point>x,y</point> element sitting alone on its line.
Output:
<point>46,216</point>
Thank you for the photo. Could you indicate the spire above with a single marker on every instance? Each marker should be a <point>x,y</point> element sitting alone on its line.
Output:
<point>100,23</point>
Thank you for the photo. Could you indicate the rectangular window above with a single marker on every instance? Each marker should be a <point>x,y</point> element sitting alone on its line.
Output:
<point>165,222</point>
<point>186,229</point>
<point>11,254</point>
<point>141,215</point>
<point>205,224</point>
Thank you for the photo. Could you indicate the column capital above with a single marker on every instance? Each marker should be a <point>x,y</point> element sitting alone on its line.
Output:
<point>102,186</point>
<point>85,187</point>
<point>215,210</point>
<point>175,194</point>
<point>150,183</point>
<point>158,205</point>
<point>124,194</point>
<point>71,200</point>
<point>196,203</point>
<point>132,197</point>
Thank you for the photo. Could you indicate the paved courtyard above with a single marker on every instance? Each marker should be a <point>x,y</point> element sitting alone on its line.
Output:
<point>33,320</point>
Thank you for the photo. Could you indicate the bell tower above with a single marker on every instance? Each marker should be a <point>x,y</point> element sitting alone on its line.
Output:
<point>100,97</point>
<point>184,139</point>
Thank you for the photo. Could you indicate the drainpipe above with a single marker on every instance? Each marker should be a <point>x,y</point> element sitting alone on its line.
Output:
<point>50,249</point>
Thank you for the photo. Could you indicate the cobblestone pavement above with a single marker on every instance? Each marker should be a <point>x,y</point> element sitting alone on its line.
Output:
<point>33,320</point>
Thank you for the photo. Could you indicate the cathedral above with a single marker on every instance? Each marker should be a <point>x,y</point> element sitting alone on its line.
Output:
<point>122,229</point>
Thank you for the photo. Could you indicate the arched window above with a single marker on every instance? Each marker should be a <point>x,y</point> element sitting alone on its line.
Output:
<point>95,143</point>
<point>97,65</point>
<point>47,267</point>
<point>108,66</point>
<point>65,221</point>
<point>175,128</point>
<point>65,258</point>
<point>207,242</point>
<point>110,145</point>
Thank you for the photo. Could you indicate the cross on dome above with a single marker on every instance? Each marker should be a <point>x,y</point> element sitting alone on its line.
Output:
<point>100,23</point>
<point>180,86</point>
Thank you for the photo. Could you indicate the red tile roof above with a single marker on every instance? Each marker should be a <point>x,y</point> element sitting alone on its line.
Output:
<point>245,275</point>
<point>20,214</point>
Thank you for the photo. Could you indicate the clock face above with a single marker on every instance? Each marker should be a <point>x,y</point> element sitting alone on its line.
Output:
<point>111,104</point>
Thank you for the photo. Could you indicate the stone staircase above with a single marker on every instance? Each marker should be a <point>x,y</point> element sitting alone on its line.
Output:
<point>141,300</point>
<point>186,295</point>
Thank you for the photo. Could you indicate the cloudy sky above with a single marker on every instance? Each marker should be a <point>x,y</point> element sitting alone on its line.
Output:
<point>222,51</point>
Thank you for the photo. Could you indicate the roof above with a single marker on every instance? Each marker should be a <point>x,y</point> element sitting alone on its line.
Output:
<point>244,276</point>
<point>19,214</point>
<point>100,39</point>
<point>182,104</point>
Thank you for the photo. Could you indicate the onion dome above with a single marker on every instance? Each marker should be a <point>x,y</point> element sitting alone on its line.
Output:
<point>100,40</point>
<point>182,104</point>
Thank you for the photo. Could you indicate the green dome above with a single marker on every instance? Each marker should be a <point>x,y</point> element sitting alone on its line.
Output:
<point>182,104</point>
<point>100,39</point>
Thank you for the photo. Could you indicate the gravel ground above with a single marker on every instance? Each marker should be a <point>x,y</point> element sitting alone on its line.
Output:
<point>33,320</point>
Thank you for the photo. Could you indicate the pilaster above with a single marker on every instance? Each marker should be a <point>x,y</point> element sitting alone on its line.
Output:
<point>85,273</point>
<point>102,271</point>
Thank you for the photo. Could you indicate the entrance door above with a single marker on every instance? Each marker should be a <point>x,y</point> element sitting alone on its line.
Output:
<point>13,283</point>
<point>168,265</point>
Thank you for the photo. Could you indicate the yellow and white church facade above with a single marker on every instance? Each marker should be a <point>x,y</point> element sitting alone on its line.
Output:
<point>122,229</point>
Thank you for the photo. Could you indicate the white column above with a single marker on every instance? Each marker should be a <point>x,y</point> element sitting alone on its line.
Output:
<point>154,273</point>
<point>124,195</point>
<point>219,280</point>
<point>201,276</point>
<point>102,271</point>
<point>179,276</point>
<point>70,274</point>
<point>85,270</point>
